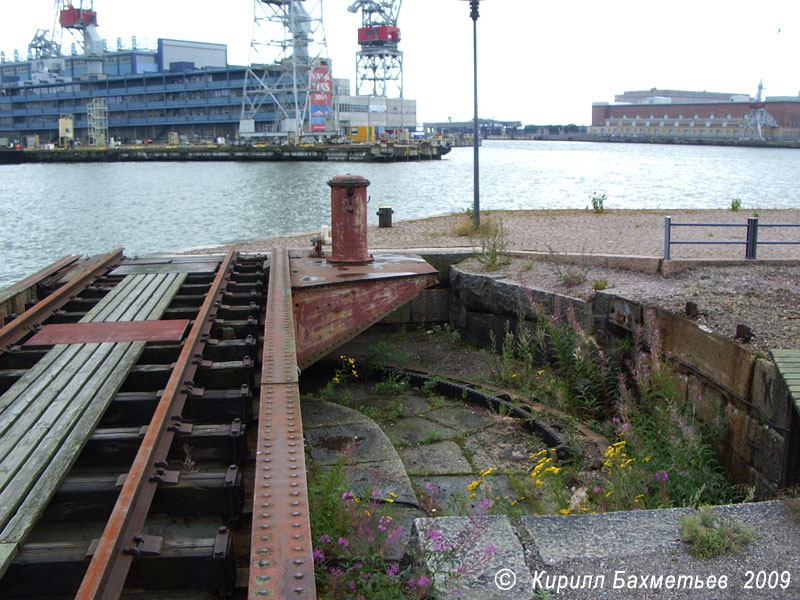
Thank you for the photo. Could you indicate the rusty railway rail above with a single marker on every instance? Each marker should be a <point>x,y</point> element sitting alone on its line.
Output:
<point>122,538</point>
<point>173,443</point>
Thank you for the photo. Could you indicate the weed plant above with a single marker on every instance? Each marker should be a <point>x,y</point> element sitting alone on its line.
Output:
<point>660,455</point>
<point>710,536</point>
<point>494,244</point>
<point>598,202</point>
<point>356,544</point>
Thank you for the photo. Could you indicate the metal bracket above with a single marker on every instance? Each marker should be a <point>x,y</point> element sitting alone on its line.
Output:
<point>146,545</point>
<point>221,543</point>
<point>230,476</point>
<point>165,477</point>
<point>181,428</point>
<point>192,391</point>
<point>237,429</point>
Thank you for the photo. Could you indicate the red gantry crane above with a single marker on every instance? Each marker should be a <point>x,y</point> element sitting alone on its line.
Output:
<point>379,63</point>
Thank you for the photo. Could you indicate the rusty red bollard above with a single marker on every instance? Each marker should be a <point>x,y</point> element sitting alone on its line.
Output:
<point>349,219</point>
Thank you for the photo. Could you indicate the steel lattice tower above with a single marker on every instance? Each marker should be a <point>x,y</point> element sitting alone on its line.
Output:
<point>379,63</point>
<point>288,64</point>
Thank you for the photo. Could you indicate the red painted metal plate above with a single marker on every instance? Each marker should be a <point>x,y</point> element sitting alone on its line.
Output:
<point>170,330</point>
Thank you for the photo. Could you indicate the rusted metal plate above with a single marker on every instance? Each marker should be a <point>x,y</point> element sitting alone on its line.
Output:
<point>624,313</point>
<point>281,561</point>
<point>334,303</point>
<point>19,327</point>
<point>309,272</point>
<point>110,331</point>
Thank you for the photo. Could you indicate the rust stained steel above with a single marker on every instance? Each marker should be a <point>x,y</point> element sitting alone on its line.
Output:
<point>334,303</point>
<point>281,562</point>
<point>27,321</point>
<point>167,330</point>
<point>105,577</point>
<point>349,219</point>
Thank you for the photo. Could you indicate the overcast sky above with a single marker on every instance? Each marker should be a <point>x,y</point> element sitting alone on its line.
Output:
<point>540,62</point>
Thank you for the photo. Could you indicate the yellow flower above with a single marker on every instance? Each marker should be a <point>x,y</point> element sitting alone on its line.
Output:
<point>539,482</point>
<point>513,375</point>
<point>393,495</point>
<point>647,458</point>
<point>541,372</point>
<point>471,487</point>
<point>486,472</point>
<point>564,511</point>
<point>608,493</point>
<point>335,380</point>
<point>366,512</point>
<point>390,500</point>
<point>472,495</point>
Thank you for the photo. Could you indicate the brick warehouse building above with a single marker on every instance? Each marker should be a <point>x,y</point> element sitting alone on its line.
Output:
<point>679,114</point>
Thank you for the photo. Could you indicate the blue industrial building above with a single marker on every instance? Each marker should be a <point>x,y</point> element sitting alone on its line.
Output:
<point>183,87</point>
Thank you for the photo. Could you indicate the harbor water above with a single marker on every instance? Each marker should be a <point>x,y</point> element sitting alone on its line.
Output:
<point>50,210</point>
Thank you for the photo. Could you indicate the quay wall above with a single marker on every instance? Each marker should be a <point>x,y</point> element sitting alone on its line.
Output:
<point>723,381</point>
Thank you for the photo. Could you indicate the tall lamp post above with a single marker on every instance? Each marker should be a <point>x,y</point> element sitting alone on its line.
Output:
<point>476,208</point>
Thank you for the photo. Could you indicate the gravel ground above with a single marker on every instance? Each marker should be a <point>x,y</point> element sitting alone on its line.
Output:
<point>764,297</point>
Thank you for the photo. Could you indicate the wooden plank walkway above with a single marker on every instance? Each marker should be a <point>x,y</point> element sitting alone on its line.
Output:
<point>47,416</point>
<point>788,363</point>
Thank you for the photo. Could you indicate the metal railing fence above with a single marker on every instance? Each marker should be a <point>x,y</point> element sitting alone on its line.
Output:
<point>750,242</point>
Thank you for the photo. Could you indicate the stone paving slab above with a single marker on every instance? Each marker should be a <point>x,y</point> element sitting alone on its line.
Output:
<point>416,430</point>
<point>446,488</point>
<point>441,458</point>
<point>324,414</point>
<point>493,551</point>
<point>624,556</point>
<point>513,453</point>
<point>463,418</point>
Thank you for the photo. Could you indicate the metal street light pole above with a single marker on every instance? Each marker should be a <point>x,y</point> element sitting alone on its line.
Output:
<point>476,208</point>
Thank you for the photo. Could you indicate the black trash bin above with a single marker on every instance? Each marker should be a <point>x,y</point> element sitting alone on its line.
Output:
<point>385,216</point>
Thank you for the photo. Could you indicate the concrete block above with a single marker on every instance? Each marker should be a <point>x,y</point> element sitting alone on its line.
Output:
<point>737,434</point>
<point>399,316</point>
<point>741,471</point>
<point>582,311</point>
<point>494,548</point>
<point>475,291</point>
<point>769,392</point>
<point>442,261</point>
<point>431,306</point>
<point>481,328</point>
<point>512,298</point>
<point>768,453</point>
